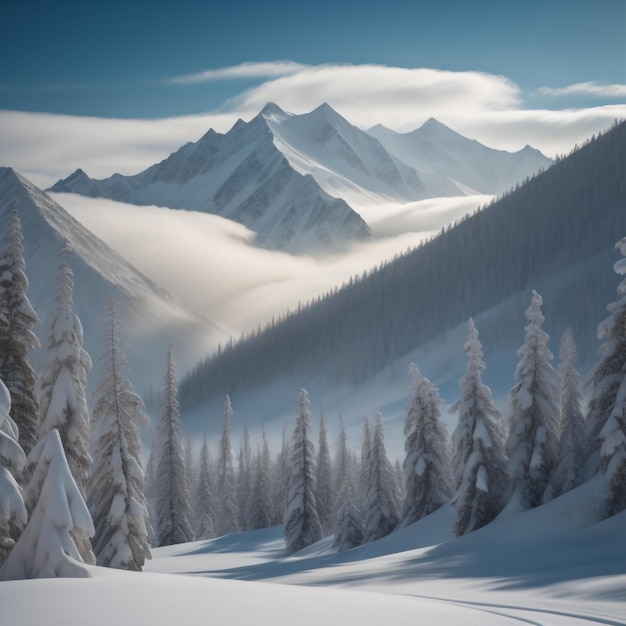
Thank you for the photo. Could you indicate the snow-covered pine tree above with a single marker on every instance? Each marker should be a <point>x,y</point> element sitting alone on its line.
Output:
<point>349,531</point>
<point>479,461</point>
<point>428,478</point>
<point>244,480</point>
<point>343,484</point>
<point>190,473</point>
<point>607,408</point>
<point>381,508</point>
<point>46,548</point>
<point>203,522</point>
<point>173,508</point>
<point>116,488</point>
<point>17,339</point>
<point>63,383</point>
<point>261,501</point>
<point>279,483</point>
<point>302,524</point>
<point>366,450</point>
<point>532,445</point>
<point>13,516</point>
<point>573,443</point>
<point>226,514</point>
<point>324,481</point>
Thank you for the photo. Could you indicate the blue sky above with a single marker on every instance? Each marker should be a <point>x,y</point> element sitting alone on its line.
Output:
<point>117,86</point>
<point>115,59</point>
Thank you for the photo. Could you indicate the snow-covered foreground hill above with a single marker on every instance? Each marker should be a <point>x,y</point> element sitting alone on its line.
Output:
<point>554,565</point>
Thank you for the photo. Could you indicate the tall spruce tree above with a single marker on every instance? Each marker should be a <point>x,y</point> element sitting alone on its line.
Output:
<point>324,481</point>
<point>63,386</point>
<point>302,524</point>
<point>428,479</point>
<point>607,407</point>
<point>479,461</point>
<point>173,507</point>
<point>381,506</point>
<point>227,515</point>
<point>203,522</point>
<point>17,339</point>
<point>244,480</point>
<point>261,501</point>
<point>573,444</point>
<point>533,441</point>
<point>116,488</point>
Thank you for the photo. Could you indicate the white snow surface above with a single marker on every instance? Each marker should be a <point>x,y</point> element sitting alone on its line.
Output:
<point>553,566</point>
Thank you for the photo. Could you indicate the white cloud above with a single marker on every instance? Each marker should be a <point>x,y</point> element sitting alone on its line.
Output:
<point>586,89</point>
<point>488,108</point>
<point>245,70</point>
<point>210,264</point>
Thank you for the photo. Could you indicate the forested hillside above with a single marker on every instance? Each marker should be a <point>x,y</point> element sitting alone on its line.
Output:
<point>555,233</point>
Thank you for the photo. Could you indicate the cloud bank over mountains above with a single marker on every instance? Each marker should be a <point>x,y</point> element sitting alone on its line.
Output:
<point>482,106</point>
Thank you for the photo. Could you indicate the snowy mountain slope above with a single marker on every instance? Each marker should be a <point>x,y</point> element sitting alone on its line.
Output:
<point>439,152</point>
<point>150,318</point>
<point>344,160</point>
<point>240,175</point>
<point>556,565</point>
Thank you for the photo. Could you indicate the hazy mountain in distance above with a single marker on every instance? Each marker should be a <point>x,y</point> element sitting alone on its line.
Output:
<point>150,318</point>
<point>436,150</point>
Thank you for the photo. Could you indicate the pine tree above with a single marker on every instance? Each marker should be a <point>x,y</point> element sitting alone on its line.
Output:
<point>13,516</point>
<point>607,407</point>
<point>244,480</point>
<point>279,484</point>
<point>63,385</point>
<point>324,481</point>
<point>532,445</point>
<point>572,446</point>
<point>428,479</point>
<point>302,524</point>
<point>116,489</point>
<point>173,508</point>
<point>479,461</point>
<point>366,450</point>
<point>381,512</point>
<point>203,523</point>
<point>261,502</point>
<point>46,548</point>
<point>343,486</point>
<point>227,515</point>
<point>17,319</point>
<point>349,532</point>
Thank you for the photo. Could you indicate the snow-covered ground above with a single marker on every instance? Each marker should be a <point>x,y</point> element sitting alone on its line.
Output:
<point>554,565</point>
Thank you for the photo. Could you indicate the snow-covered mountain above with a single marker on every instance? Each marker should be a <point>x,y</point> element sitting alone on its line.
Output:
<point>438,153</point>
<point>240,175</point>
<point>296,179</point>
<point>150,318</point>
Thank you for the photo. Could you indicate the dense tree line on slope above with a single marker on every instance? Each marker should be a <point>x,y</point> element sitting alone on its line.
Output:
<point>551,233</point>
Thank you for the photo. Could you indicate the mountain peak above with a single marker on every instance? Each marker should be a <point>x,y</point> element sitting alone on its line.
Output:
<point>272,109</point>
